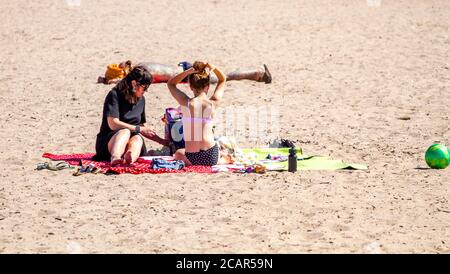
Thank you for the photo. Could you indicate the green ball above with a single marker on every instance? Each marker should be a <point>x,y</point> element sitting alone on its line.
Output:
<point>437,156</point>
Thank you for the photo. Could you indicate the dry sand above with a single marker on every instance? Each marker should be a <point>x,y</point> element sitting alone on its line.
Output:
<point>344,73</point>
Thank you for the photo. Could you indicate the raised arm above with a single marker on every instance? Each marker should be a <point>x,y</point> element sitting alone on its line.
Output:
<point>218,92</point>
<point>180,96</point>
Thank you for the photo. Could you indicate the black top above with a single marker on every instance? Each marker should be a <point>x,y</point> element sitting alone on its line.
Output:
<point>116,106</point>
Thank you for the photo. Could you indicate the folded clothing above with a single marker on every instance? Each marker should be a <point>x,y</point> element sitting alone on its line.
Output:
<point>160,163</point>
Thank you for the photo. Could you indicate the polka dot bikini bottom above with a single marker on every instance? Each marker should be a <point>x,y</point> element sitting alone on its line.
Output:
<point>208,157</point>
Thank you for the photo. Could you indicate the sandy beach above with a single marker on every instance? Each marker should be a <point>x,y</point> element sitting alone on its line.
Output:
<point>364,81</point>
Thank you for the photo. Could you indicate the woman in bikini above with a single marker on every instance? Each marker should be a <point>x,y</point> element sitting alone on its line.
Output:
<point>198,112</point>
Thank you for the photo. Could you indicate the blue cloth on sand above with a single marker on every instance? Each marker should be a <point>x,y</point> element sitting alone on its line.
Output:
<point>159,163</point>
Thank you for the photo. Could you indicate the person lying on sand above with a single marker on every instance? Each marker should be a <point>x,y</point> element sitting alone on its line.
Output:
<point>162,73</point>
<point>123,126</point>
<point>198,112</point>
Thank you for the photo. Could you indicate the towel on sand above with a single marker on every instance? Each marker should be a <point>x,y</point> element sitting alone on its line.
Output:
<point>304,162</point>
<point>141,166</point>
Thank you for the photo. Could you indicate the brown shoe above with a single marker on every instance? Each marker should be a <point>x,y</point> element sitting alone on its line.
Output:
<point>267,77</point>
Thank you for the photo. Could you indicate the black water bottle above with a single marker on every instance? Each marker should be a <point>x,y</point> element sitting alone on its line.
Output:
<point>292,160</point>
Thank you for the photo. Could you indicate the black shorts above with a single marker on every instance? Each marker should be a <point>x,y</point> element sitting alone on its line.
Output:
<point>101,146</point>
<point>208,157</point>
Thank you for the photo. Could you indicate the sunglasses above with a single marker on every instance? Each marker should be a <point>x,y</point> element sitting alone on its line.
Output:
<point>144,86</point>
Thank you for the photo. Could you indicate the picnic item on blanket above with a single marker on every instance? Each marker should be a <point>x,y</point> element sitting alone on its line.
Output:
<point>292,160</point>
<point>149,159</point>
<point>220,168</point>
<point>227,168</point>
<point>160,163</point>
<point>173,128</point>
<point>253,169</point>
<point>281,142</point>
<point>227,147</point>
<point>280,158</point>
<point>260,169</point>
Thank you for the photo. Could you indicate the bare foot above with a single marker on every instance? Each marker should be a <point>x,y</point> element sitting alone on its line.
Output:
<point>128,158</point>
<point>116,161</point>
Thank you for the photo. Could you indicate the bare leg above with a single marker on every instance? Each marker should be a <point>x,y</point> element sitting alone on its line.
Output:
<point>117,145</point>
<point>258,75</point>
<point>254,75</point>
<point>133,149</point>
<point>180,155</point>
<point>161,73</point>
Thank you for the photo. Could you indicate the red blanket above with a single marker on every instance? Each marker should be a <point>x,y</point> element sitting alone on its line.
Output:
<point>135,168</point>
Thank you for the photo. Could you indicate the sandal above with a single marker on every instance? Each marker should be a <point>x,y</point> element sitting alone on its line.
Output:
<point>54,166</point>
<point>87,169</point>
<point>80,171</point>
<point>41,166</point>
<point>96,170</point>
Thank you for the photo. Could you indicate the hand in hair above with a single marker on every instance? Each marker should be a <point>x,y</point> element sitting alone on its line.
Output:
<point>191,71</point>
<point>199,66</point>
<point>210,67</point>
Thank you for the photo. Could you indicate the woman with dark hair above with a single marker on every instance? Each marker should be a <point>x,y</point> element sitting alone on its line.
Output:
<point>124,123</point>
<point>198,112</point>
<point>162,73</point>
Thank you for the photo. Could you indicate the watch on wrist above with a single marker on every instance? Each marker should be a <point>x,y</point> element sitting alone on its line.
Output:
<point>137,129</point>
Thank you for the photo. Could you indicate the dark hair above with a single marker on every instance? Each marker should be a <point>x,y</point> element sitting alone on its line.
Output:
<point>200,79</point>
<point>126,66</point>
<point>141,75</point>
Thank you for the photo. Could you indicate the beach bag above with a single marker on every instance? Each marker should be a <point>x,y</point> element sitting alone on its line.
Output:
<point>174,128</point>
